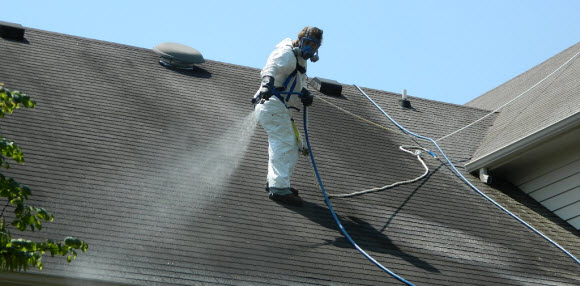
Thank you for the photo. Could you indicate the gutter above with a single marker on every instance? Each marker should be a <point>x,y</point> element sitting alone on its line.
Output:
<point>510,152</point>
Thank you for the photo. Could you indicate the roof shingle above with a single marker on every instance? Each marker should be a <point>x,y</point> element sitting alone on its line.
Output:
<point>554,99</point>
<point>129,156</point>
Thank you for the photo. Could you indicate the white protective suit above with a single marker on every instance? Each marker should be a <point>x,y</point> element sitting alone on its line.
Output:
<point>275,117</point>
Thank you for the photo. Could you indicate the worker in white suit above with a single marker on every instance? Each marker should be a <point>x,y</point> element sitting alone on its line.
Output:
<point>283,88</point>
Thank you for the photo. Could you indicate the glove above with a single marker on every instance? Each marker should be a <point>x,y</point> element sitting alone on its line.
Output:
<point>267,87</point>
<point>307,97</point>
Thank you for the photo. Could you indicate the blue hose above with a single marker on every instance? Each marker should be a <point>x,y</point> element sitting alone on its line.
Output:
<point>305,117</point>
<point>468,182</point>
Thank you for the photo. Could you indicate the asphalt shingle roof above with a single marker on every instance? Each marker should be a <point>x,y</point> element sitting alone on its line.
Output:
<point>136,159</point>
<point>551,101</point>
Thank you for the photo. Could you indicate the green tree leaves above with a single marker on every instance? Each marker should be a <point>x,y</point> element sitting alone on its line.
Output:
<point>11,100</point>
<point>11,150</point>
<point>21,254</point>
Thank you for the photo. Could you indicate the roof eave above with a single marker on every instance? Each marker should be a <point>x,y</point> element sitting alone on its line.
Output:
<point>508,153</point>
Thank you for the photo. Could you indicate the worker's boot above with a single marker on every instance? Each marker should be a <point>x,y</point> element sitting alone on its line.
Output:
<point>289,199</point>
<point>294,191</point>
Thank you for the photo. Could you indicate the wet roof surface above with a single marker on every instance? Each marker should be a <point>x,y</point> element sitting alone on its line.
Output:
<point>156,170</point>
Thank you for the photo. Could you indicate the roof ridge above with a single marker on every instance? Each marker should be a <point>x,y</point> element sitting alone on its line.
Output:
<point>426,99</point>
<point>525,73</point>
<point>97,41</point>
<point>234,65</point>
<point>104,42</point>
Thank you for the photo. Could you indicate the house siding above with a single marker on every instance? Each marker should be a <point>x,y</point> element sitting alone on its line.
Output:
<point>559,191</point>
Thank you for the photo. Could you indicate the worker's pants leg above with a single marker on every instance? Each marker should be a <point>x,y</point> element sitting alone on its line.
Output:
<point>283,149</point>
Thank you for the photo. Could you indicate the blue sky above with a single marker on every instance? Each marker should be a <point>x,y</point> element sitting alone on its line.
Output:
<point>451,51</point>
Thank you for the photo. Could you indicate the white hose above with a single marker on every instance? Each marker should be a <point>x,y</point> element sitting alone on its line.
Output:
<point>417,153</point>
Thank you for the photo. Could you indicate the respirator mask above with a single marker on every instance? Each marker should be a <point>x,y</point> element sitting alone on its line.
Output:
<point>309,47</point>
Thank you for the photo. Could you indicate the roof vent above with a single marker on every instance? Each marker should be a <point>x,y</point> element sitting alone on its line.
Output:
<point>327,86</point>
<point>11,31</point>
<point>404,101</point>
<point>178,56</point>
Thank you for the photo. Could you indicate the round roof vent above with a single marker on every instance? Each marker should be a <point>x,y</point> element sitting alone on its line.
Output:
<point>178,56</point>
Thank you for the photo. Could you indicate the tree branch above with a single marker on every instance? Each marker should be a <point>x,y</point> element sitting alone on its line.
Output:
<point>7,203</point>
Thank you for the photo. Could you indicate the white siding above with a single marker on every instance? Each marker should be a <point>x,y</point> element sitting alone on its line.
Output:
<point>559,191</point>
<point>569,197</point>
<point>551,176</point>
<point>556,188</point>
<point>569,212</point>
